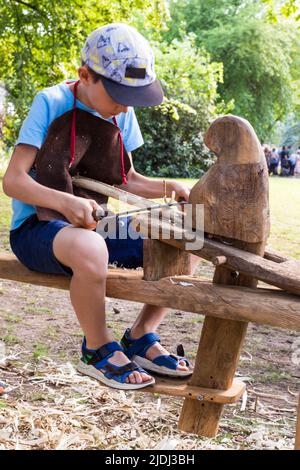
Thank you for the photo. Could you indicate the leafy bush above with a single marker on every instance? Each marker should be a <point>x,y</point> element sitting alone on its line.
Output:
<point>173,142</point>
<point>173,132</point>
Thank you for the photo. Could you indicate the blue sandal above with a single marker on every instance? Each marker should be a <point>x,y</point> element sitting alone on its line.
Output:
<point>136,349</point>
<point>96,365</point>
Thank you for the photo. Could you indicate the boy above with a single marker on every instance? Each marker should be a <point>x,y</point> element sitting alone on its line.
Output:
<point>117,72</point>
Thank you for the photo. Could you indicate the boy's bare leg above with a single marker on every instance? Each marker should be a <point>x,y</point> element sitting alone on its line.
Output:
<point>85,252</point>
<point>150,318</point>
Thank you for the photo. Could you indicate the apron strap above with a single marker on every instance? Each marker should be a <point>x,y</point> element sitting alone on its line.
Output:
<point>73,128</point>
<point>121,152</point>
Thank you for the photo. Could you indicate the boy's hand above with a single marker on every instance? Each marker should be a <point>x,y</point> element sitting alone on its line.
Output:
<point>78,211</point>
<point>181,190</point>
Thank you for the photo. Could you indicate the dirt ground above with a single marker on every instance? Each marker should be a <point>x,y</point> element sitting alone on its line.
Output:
<point>50,406</point>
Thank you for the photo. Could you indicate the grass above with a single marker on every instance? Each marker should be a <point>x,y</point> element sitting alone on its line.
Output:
<point>285,215</point>
<point>39,310</point>
<point>284,205</point>
<point>40,350</point>
<point>5,217</point>
<point>10,339</point>
<point>10,318</point>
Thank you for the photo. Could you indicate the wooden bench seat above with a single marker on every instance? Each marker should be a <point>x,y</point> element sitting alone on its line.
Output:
<point>276,308</point>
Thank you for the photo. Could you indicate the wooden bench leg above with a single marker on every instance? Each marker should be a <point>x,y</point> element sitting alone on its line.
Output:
<point>161,260</point>
<point>217,358</point>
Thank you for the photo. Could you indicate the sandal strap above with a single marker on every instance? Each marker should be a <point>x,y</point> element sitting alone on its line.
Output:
<point>120,373</point>
<point>99,359</point>
<point>120,370</point>
<point>171,361</point>
<point>104,352</point>
<point>138,346</point>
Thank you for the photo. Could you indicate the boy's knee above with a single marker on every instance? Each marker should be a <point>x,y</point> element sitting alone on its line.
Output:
<point>91,269</point>
<point>90,250</point>
<point>86,253</point>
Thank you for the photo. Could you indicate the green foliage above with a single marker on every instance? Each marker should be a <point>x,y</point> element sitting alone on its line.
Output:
<point>40,43</point>
<point>173,142</point>
<point>261,58</point>
<point>173,131</point>
<point>45,39</point>
<point>292,135</point>
<point>257,72</point>
<point>187,74</point>
<point>287,8</point>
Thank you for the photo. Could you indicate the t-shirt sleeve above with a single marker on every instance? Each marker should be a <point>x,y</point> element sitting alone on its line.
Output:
<point>131,132</point>
<point>34,128</point>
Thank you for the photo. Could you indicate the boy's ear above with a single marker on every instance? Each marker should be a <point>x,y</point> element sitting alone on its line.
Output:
<point>84,75</point>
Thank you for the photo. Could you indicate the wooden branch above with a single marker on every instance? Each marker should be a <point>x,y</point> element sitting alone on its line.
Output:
<point>219,260</point>
<point>275,256</point>
<point>111,191</point>
<point>285,275</point>
<point>125,196</point>
<point>187,293</point>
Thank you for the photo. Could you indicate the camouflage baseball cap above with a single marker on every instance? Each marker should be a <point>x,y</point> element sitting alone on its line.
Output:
<point>125,61</point>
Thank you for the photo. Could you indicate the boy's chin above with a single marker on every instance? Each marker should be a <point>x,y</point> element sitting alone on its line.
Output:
<point>107,115</point>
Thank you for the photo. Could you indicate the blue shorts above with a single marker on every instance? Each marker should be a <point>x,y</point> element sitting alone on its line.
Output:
<point>32,243</point>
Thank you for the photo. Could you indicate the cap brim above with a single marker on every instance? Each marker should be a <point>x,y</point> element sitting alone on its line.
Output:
<point>148,95</point>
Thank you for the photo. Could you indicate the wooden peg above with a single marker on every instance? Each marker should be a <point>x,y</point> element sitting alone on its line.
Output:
<point>219,260</point>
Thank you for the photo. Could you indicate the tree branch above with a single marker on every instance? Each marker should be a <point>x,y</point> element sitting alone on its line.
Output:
<point>30,6</point>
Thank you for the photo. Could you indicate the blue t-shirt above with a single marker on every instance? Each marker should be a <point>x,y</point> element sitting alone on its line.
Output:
<point>48,105</point>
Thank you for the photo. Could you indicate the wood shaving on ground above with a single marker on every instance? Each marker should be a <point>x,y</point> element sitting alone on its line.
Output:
<point>51,406</point>
<point>181,283</point>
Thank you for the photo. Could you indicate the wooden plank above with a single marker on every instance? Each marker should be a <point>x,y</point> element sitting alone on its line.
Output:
<point>285,275</point>
<point>141,202</point>
<point>181,388</point>
<point>187,293</point>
